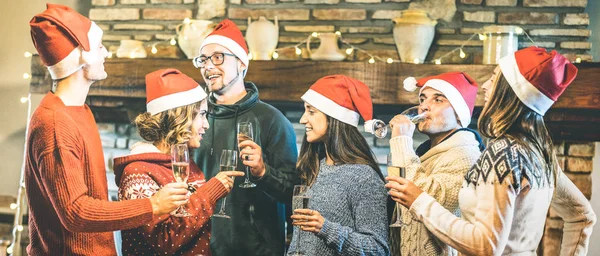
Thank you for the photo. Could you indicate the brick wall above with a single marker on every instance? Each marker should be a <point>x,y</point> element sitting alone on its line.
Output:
<point>554,24</point>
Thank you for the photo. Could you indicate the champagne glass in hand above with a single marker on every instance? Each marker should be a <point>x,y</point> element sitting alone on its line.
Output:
<point>300,200</point>
<point>396,171</point>
<point>180,160</point>
<point>245,132</point>
<point>380,129</point>
<point>228,163</point>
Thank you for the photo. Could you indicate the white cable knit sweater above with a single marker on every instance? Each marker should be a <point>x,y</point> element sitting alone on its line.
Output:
<point>439,172</point>
<point>504,202</point>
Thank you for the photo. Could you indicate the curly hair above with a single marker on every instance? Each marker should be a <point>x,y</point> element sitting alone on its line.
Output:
<point>170,127</point>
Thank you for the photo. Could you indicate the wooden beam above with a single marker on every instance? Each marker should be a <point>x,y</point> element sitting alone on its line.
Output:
<point>288,80</point>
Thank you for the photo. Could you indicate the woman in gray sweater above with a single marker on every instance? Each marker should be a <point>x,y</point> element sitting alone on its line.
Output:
<point>346,214</point>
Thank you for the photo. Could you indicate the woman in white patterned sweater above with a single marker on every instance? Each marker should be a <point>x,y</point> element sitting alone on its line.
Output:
<point>506,196</point>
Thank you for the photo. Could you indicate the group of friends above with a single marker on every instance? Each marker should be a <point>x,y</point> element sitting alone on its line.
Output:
<point>458,196</point>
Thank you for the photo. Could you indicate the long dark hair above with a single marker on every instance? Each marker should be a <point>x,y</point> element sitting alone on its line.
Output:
<point>506,115</point>
<point>343,143</point>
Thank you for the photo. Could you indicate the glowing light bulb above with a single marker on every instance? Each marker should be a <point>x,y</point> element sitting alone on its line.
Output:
<point>186,21</point>
<point>110,55</point>
<point>482,37</point>
<point>250,56</point>
<point>578,60</point>
<point>416,61</point>
<point>154,50</point>
<point>338,33</point>
<point>275,55</point>
<point>462,54</point>
<point>519,30</point>
<point>23,100</point>
<point>438,61</point>
<point>27,54</point>
<point>9,250</point>
<point>173,42</point>
<point>26,76</point>
<point>20,227</point>
<point>390,61</point>
<point>349,51</point>
<point>372,60</point>
<point>314,34</point>
<point>13,205</point>
<point>298,51</point>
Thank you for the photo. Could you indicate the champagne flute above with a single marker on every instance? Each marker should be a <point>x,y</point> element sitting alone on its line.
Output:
<point>380,129</point>
<point>396,171</point>
<point>245,132</point>
<point>300,200</point>
<point>180,162</point>
<point>228,163</point>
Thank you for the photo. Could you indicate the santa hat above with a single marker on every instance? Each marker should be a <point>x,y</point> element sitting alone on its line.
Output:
<point>341,97</point>
<point>169,88</point>
<point>65,40</point>
<point>459,88</point>
<point>228,35</point>
<point>537,77</point>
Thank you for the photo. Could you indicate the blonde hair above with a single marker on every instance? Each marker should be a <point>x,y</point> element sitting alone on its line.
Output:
<point>170,127</point>
<point>506,115</point>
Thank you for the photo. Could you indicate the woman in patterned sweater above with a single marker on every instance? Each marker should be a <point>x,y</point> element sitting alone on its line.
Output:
<point>346,214</point>
<point>176,114</point>
<point>506,195</point>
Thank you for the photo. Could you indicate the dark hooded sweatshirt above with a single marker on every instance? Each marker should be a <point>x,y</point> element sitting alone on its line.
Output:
<point>257,224</point>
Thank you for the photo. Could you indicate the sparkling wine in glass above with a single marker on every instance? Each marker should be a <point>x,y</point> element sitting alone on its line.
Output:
<point>300,200</point>
<point>180,163</point>
<point>380,129</point>
<point>245,132</point>
<point>396,171</point>
<point>228,163</point>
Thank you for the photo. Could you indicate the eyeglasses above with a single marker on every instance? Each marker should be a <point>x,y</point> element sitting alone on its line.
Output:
<point>216,59</point>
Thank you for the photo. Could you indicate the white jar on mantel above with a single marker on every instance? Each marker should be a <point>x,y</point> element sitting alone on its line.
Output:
<point>413,34</point>
<point>131,49</point>
<point>499,41</point>
<point>262,37</point>
<point>191,34</point>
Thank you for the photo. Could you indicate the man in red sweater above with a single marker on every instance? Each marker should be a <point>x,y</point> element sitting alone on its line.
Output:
<point>65,174</point>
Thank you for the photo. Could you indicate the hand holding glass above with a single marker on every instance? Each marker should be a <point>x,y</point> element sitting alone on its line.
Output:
<point>180,162</point>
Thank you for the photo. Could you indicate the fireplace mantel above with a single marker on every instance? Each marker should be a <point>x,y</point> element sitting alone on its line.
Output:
<point>575,116</point>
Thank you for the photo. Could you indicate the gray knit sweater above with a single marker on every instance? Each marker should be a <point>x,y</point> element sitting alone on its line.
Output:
<point>352,199</point>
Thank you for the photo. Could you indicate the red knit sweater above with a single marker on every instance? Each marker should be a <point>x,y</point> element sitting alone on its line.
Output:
<point>66,185</point>
<point>140,176</point>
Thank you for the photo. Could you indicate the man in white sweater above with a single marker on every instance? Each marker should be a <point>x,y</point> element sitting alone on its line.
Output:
<point>438,165</point>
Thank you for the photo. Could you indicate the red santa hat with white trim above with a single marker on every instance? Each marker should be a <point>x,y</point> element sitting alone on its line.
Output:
<point>169,88</point>
<point>228,35</point>
<point>343,98</point>
<point>65,40</point>
<point>459,88</point>
<point>537,77</point>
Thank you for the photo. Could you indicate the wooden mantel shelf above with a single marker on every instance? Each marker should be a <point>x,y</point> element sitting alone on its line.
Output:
<point>286,81</point>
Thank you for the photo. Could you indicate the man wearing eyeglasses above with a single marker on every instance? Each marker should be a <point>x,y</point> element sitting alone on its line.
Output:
<point>257,223</point>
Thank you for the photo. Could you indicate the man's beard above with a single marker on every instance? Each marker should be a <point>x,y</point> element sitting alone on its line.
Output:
<point>225,87</point>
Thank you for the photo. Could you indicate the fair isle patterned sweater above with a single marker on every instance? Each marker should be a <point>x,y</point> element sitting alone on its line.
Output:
<point>352,199</point>
<point>140,175</point>
<point>504,201</point>
<point>439,173</point>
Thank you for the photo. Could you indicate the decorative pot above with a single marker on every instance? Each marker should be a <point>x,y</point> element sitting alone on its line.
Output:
<point>191,34</point>
<point>131,49</point>
<point>413,34</point>
<point>328,49</point>
<point>262,37</point>
<point>499,41</point>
